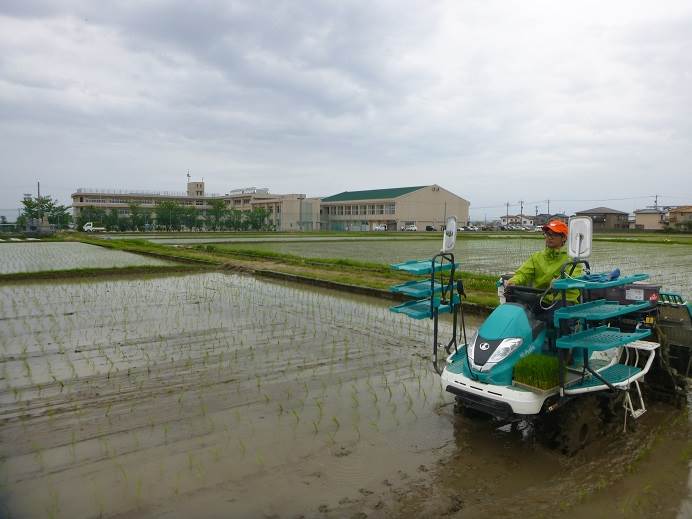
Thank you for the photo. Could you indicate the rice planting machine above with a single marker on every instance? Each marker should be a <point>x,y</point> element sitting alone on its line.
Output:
<point>568,370</point>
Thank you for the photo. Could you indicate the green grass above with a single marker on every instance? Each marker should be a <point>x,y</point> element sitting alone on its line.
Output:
<point>292,258</point>
<point>91,272</point>
<point>537,370</point>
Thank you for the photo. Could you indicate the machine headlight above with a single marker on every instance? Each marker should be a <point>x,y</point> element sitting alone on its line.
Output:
<point>505,348</point>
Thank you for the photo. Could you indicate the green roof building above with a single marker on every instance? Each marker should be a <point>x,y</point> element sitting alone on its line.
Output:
<point>397,208</point>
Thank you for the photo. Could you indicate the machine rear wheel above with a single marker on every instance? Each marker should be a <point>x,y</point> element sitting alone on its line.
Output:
<point>572,427</point>
<point>579,423</point>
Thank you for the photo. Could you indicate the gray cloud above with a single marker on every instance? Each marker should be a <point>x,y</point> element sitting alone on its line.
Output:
<point>491,101</point>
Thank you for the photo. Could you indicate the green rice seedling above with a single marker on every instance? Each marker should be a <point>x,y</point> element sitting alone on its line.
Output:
<point>122,471</point>
<point>53,507</point>
<point>259,459</point>
<point>537,370</point>
<point>138,491</point>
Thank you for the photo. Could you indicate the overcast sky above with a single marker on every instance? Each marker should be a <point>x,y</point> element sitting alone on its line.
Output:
<point>582,103</point>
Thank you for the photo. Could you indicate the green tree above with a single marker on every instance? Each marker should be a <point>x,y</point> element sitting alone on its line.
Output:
<point>113,220</point>
<point>168,214</point>
<point>257,219</point>
<point>91,214</point>
<point>235,219</point>
<point>136,216</point>
<point>40,206</point>
<point>191,217</point>
<point>217,213</point>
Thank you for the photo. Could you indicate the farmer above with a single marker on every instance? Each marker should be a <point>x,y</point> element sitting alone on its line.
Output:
<point>543,266</point>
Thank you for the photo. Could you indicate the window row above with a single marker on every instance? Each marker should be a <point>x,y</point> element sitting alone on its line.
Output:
<point>365,209</point>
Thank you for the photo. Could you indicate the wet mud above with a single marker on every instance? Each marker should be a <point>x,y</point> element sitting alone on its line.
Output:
<point>217,395</point>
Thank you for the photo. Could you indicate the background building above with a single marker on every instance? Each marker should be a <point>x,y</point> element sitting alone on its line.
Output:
<point>285,212</point>
<point>291,212</point>
<point>605,218</point>
<point>518,219</point>
<point>680,218</point>
<point>650,219</point>
<point>397,208</point>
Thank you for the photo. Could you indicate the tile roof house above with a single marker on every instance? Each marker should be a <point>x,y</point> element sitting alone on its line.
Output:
<point>650,219</point>
<point>605,218</point>
<point>680,217</point>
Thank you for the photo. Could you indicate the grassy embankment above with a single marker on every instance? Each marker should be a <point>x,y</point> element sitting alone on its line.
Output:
<point>348,273</point>
<point>626,237</point>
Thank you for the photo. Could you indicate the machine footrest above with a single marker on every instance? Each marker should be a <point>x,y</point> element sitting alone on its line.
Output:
<point>617,374</point>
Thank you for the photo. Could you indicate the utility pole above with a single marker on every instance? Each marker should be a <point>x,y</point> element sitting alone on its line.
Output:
<point>521,209</point>
<point>38,199</point>
<point>548,206</point>
<point>656,202</point>
<point>536,210</point>
<point>507,221</point>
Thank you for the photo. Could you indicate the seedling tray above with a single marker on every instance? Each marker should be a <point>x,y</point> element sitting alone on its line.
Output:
<point>600,338</point>
<point>584,284</point>
<point>421,309</point>
<point>422,267</point>
<point>598,310</point>
<point>417,289</point>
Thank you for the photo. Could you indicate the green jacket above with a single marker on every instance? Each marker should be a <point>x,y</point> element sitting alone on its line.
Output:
<point>541,268</point>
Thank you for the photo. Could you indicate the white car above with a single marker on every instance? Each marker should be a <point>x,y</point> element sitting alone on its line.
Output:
<point>381,227</point>
<point>411,228</point>
<point>89,227</point>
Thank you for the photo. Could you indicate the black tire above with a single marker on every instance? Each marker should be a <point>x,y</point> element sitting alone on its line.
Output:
<point>579,423</point>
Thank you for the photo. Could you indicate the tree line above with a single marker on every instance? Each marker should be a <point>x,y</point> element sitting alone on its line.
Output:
<point>167,215</point>
<point>171,216</point>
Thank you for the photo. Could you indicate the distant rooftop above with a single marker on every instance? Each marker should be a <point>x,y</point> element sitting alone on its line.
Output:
<point>372,194</point>
<point>601,210</point>
<point>649,210</point>
<point>98,191</point>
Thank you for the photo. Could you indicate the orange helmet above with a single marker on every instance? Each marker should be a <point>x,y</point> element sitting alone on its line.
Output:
<point>556,226</point>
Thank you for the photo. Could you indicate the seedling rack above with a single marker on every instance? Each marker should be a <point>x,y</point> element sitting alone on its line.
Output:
<point>439,294</point>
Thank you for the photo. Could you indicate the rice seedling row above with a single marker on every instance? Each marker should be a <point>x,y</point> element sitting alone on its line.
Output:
<point>123,396</point>
<point>35,257</point>
<point>668,264</point>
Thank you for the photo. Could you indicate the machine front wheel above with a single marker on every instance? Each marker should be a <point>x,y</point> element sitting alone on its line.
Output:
<point>463,410</point>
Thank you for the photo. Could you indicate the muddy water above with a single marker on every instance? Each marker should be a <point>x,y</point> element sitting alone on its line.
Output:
<point>217,395</point>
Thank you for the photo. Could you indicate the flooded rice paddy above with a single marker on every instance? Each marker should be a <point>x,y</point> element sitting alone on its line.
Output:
<point>36,257</point>
<point>668,264</point>
<point>215,395</point>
